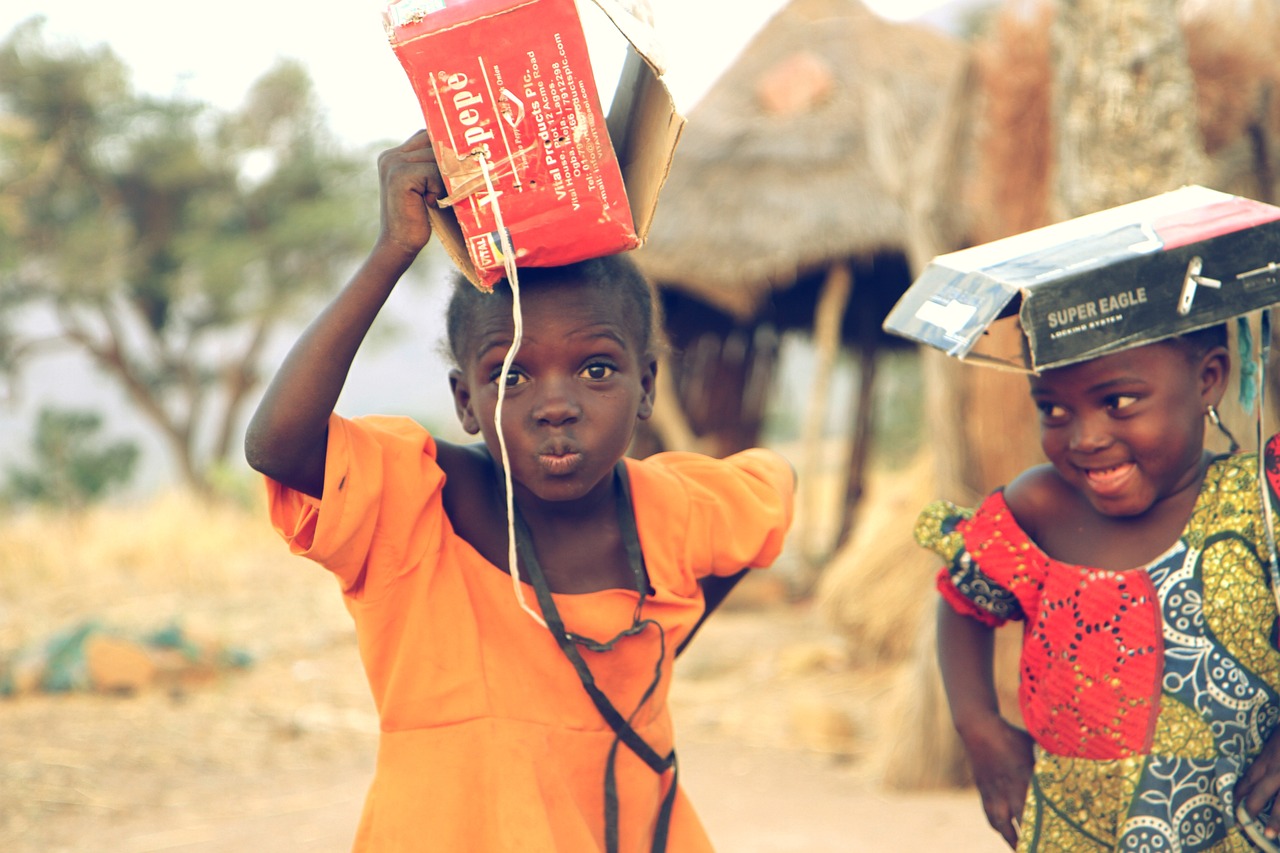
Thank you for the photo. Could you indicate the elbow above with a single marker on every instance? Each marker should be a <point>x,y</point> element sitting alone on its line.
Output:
<point>256,452</point>
<point>264,451</point>
<point>291,460</point>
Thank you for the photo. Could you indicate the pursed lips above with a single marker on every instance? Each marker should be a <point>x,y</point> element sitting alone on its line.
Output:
<point>558,458</point>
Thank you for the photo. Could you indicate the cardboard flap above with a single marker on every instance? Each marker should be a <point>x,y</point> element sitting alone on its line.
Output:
<point>645,128</point>
<point>634,19</point>
<point>949,309</point>
<point>445,228</point>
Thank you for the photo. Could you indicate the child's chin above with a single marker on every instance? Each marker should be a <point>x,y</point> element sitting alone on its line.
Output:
<point>558,489</point>
<point>1119,507</point>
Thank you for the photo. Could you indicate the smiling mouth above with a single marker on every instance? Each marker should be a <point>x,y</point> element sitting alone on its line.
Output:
<point>1109,480</point>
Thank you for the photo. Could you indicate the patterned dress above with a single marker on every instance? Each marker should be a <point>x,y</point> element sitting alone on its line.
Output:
<point>1147,691</point>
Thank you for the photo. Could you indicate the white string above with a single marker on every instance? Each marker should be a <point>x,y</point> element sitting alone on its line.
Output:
<point>517,319</point>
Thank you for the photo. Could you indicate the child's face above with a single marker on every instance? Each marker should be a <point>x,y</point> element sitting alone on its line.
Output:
<point>575,392</point>
<point>1127,430</point>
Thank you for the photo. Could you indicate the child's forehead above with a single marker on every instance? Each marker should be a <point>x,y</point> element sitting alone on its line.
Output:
<point>560,298</point>
<point>1151,362</point>
<point>563,303</point>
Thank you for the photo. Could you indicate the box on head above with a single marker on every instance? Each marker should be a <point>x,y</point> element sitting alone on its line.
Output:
<point>1100,283</point>
<point>511,103</point>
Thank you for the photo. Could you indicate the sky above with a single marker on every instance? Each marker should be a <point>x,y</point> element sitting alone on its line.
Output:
<point>216,56</point>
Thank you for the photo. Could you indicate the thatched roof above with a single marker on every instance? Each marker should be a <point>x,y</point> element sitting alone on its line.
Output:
<point>799,155</point>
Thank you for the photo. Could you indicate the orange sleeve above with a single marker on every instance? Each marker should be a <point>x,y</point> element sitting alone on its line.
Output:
<point>381,512</point>
<point>739,509</point>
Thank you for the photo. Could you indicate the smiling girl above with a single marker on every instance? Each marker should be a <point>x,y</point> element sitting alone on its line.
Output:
<point>523,707</point>
<point>1149,669</point>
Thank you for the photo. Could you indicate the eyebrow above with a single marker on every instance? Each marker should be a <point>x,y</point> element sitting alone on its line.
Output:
<point>503,343</point>
<point>610,333</point>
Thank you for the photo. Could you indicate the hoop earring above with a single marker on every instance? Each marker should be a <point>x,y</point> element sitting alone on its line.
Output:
<point>1212,414</point>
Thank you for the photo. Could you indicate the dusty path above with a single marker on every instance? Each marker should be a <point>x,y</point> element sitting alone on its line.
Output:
<point>752,800</point>
<point>277,758</point>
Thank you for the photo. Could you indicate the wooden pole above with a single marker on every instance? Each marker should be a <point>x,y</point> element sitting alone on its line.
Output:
<point>860,442</point>
<point>827,321</point>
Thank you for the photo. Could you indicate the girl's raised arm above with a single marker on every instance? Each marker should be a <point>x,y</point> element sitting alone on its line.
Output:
<point>287,436</point>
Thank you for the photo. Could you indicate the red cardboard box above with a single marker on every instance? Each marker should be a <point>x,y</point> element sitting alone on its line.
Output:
<point>510,81</point>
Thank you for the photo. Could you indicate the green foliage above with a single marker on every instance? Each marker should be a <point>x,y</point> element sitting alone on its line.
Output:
<point>70,467</point>
<point>168,240</point>
<point>236,485</point>
<point>898,408</point>
<point>975,21</point>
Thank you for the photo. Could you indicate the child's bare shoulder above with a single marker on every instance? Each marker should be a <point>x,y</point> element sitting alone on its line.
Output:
<point>470,477</point>
<point>1037,496</point>
<point>463,458</point>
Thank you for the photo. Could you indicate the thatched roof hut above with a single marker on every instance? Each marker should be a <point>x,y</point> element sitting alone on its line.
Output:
<point>788,208</point>
<point>799,156</point>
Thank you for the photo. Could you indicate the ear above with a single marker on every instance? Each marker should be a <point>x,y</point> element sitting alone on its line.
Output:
<point>1215,372</point>
<point>649,387</point>
<point>462,401</point>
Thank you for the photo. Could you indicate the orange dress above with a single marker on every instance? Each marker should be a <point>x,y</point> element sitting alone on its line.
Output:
<point>489,741</point>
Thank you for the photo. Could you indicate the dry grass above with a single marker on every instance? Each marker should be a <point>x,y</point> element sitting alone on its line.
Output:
<point>218,569</point>
<point>878,591</point>
<point>77,764</point>
<point>877,588</point>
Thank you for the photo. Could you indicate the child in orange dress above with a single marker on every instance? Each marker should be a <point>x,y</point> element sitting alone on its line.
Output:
<point>520,710</point>
<point>1138,561</point>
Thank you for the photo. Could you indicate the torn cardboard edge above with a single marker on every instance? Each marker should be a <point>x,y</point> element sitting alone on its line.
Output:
<point>1097,284</point>
<point>643,125</point>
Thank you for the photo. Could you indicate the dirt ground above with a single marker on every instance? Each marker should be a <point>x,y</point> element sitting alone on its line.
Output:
<point>774,725</point>
<point>277,756</point>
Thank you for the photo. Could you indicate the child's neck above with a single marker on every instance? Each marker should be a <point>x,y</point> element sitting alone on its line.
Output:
<point>580,548</point>
<point>1068,528</point>
<point>599,504</point>
<point>579,544</point>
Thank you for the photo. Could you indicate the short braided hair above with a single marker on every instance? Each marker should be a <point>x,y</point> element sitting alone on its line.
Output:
<point>614,272</point>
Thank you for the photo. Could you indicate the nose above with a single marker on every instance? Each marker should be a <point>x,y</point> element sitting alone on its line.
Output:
<point>1091,432</point>
<point>557,403</point>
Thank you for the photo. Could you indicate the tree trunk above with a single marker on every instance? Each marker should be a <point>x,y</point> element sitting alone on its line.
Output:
<point>1123,106</point>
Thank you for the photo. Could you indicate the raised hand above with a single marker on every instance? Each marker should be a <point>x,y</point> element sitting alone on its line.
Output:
<point>410,182</point>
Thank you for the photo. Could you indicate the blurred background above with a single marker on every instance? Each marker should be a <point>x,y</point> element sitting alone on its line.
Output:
<point>181,190</point>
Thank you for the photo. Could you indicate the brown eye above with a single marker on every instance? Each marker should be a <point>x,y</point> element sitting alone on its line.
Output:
<point>1121,401</point>
<point>598,371</point>
<point>514,377</point>
<point>1051,411</point>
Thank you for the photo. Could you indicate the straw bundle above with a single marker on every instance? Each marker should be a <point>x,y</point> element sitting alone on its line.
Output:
<point>878,591</point>
<point>919,748</point>
<point>878,586</point>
